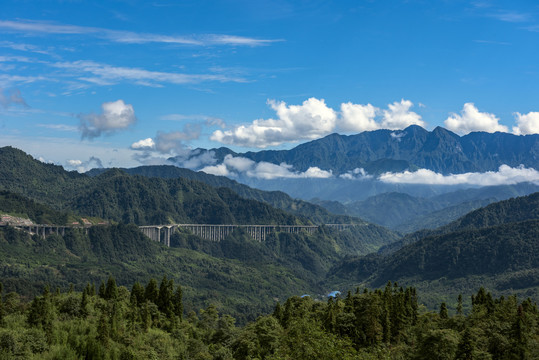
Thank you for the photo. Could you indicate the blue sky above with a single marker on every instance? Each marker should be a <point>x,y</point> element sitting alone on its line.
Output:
<point>125,83</point>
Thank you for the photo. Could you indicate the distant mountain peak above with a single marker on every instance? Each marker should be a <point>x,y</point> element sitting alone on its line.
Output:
<point>439,150</point>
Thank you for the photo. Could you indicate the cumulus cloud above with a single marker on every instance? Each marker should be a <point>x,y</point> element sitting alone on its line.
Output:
<point>526,123</point>
<point>115,116</point>
<point>471,119</point>
<point>11,97</point>
<point>398,116</point>
<point>356,174</point>
<point>505,175</point>
<point>357,118</point>
<point>151,151</point>
<point>84,166</point>
<point>314,119</point>
<point>240,166</point>
<point>144,144</point>
<point>307,121</point>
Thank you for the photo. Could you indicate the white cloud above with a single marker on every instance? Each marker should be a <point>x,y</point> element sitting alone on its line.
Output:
<point>59,127</point>
<point>104,74</point>
<point>356,174</point>
<point>526,123</point>
<point>42,27</point>
<point>510,16</point>
<point>115,116</point>
<point>357,118</point>
<point>83,166</point>
<point>7,80</point>
<point>308,121</point>
<point>399,116</point>
<point>471,119</point>
<point>397,135</point>
<point>74,162</point>
<point>23,47</point>
<point>240,166</point>
<point>505,175</point>
<point>314,119</point>
<point>144,144</point>
<point>195,159</point>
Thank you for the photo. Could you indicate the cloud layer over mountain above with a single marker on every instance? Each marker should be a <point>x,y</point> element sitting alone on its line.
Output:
<point>314,119</point>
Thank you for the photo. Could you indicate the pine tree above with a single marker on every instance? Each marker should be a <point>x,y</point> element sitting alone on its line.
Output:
<point>177,302</point>
<point>459,305</point>
<point>111,290</point>
<point>164,299</point>
<point>443,311</point>
<point>84,305</point>
<point>278,311</point>
<point>102,290</point>
<point>151,292</point>
<point>137,294</point>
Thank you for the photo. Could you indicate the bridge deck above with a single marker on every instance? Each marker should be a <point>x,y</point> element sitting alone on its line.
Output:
<point>162,233</point>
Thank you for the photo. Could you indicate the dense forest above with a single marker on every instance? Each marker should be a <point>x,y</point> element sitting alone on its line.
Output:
<point>148,321</point>
<point>239,273</point>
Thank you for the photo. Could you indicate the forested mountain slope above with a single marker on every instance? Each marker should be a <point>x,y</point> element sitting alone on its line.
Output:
<point>407,213</point>
<point>277,199</point>
<point>496,246</point>
<point>117,196</point>
<point>499,213</point>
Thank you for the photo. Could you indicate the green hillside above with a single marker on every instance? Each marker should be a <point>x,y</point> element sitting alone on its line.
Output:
<point>406,213</point>
<point>495,246</point>
<point>117,196</point>
<point>278,199</point>
<point>502,212</point>
<point>17,205</point>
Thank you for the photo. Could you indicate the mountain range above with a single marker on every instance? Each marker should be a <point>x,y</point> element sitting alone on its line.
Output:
<point>351,168</point>
<point>380,151</point>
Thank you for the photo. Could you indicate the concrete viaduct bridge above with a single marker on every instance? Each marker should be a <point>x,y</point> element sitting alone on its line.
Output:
<point>161,233</point>
<point>44,230</point>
